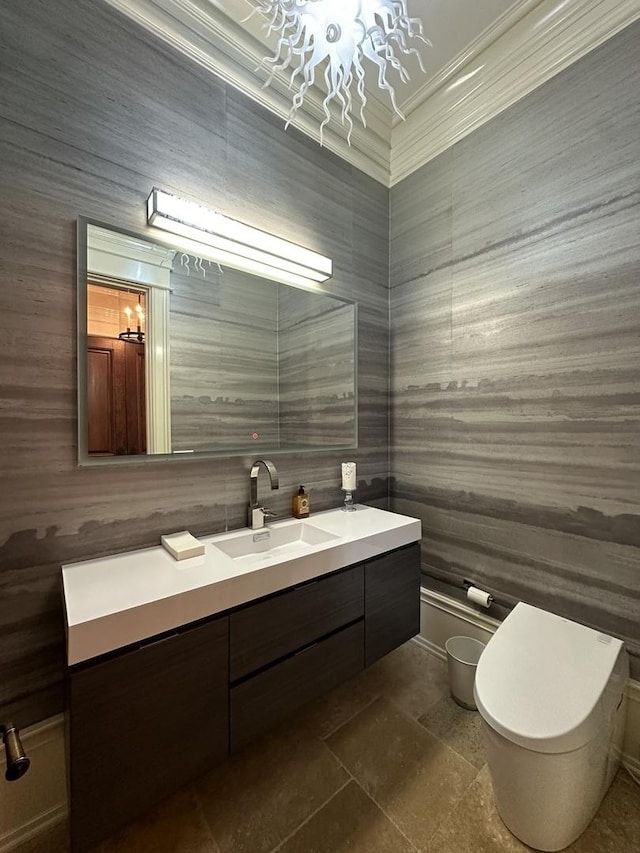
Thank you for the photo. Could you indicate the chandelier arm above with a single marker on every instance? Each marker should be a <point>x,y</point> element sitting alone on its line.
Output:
<point>383,83</point>
<point>273,23</point>
<point>275,66</point>
<point>284,29</point>
<point>306,66</point>
<point>412,26</point>
<point>411,51</point>
<point>334,82</point>
<point>326,119</point>
<point>308,70</point>
<point>344,96</point>
<point>388,54</point>
<point>279,62</point>
<point>399,38</point>
<point>360,74</point>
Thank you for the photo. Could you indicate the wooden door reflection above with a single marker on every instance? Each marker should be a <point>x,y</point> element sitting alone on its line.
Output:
<point>115,397</point>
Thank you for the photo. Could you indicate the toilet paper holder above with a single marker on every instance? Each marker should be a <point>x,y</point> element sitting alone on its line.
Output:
<point>487,598</point>
<point>16,760</point>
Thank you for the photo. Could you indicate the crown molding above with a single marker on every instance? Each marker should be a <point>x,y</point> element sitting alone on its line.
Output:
<point>546,40</point>
<point>202,32</point>
<point>486,38</point>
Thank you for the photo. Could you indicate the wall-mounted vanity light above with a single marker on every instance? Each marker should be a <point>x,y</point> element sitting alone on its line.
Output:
<point>231,242</point>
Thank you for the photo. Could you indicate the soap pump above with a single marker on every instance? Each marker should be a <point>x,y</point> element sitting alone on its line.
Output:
<point>300,507</point>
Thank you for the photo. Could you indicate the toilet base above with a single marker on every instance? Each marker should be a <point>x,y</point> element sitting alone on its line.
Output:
<point>547,801</point>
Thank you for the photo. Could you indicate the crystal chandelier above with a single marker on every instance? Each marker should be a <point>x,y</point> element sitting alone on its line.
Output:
<point>340,34</point>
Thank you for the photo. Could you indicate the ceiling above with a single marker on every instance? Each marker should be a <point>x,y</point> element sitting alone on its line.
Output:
<point>485,56</point>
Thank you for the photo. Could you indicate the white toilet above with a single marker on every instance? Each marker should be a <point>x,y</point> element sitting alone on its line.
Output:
<point>551,694</point>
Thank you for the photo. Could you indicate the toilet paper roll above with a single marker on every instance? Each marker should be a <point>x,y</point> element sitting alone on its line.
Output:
<point>479,596</point>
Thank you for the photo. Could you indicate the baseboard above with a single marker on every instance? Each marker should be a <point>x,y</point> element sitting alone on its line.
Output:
<point>430,647</point>
<point>442,617</point>
<point>38,801</point>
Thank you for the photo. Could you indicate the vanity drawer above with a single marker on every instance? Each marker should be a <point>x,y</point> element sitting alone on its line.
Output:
<point>264,700</point>
<point>265,632</point>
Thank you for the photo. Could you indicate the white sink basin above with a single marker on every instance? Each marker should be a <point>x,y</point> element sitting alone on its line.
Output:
<point>294,537</point>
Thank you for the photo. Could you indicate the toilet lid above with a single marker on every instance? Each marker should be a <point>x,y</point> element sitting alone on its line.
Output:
<point>540,679</point>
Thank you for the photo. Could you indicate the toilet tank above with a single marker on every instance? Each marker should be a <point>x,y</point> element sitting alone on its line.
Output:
<point>552,697</point>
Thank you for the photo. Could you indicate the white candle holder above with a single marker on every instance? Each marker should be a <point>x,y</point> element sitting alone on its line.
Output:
<point>349,505</point>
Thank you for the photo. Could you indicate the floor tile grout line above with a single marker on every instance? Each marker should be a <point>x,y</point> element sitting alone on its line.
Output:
<point>366,793</point>
<point>353,778</point>
<point>445,693</point>
<point>340,762</point>
<point>312,815</point>
<point>409,716</point>
<point>203,816</point>
<point>461,799</point>
<point>346,722</point>
<point>441,740</point>
<point>388,817</point>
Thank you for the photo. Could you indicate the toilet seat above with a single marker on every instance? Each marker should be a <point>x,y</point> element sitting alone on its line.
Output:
<point>540,681</point>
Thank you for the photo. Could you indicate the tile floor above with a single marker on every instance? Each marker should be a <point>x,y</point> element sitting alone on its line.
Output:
<point>386,763</point>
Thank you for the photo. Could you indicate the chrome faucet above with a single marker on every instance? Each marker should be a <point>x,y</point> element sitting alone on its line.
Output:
<point>257,514</point>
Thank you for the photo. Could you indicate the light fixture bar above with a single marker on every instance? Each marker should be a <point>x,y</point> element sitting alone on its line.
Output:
<point>232,239</point>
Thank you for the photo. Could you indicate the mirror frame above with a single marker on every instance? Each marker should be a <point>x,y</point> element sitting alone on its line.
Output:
<point>84,460</point>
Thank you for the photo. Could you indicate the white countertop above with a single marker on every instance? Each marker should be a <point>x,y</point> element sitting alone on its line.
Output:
<point>114,601</point>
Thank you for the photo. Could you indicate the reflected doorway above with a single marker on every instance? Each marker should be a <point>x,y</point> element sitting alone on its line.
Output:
<point>116,370</point>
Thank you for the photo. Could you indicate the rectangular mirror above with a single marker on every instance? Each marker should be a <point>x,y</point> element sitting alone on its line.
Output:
<point>179,356</point>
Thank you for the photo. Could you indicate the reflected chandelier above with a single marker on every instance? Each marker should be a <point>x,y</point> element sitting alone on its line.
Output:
<point>340,34</point>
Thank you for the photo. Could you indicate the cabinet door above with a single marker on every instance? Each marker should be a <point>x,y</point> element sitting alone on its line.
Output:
<point>144,724</point>
<point>392,601</point>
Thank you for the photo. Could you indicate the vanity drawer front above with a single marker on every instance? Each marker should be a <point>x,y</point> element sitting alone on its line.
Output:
<point>264,700</point>
<point>272,629</point>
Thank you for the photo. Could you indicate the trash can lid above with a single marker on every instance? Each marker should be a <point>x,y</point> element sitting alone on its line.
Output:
<point>540,679</point>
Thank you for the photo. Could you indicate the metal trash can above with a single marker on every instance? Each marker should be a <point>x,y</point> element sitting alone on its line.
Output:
<point>463,654</point>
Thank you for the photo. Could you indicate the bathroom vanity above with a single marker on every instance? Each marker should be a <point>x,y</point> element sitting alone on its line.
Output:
<point>167,679</point>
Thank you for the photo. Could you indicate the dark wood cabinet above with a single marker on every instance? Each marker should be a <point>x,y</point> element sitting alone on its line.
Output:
<point>392,601</point>
<point>143,724</point>
<point>150,719</point>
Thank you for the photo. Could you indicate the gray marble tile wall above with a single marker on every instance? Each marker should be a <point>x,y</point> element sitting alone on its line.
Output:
<point>93,113</point>
<point>316,370</point>
<point>515,323</point>
<point>224,359</point>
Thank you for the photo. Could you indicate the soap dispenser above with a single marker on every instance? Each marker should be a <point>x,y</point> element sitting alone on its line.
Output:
<point>300,508</point>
